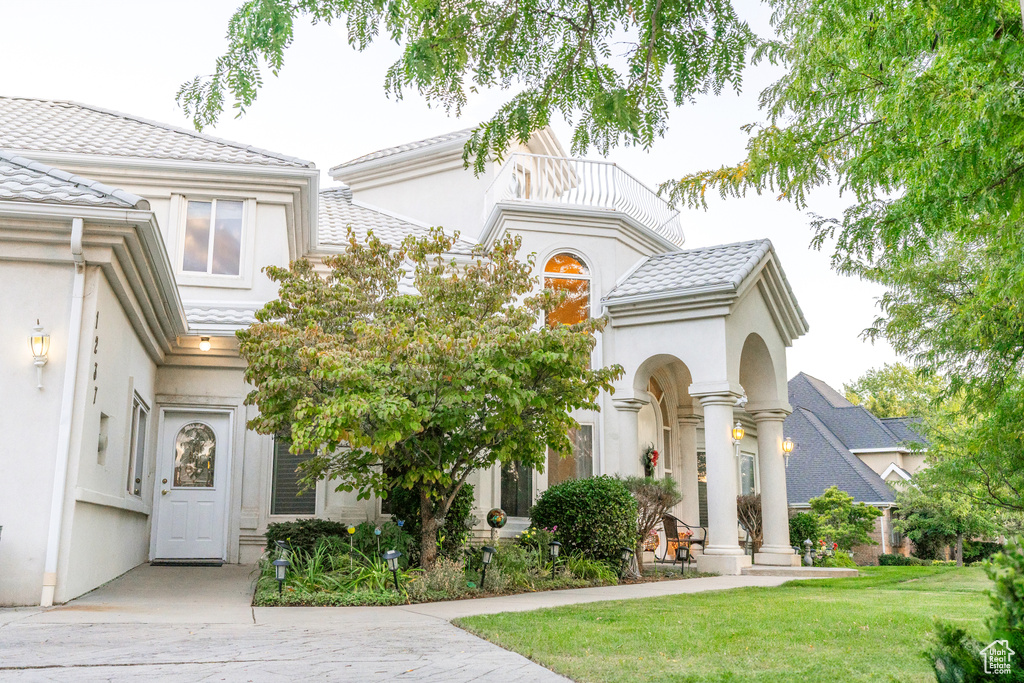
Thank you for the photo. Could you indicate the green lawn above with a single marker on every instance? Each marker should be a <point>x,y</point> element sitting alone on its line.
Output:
<point>870,628</point>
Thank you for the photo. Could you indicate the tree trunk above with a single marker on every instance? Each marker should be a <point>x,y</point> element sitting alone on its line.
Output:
<point>640,557</point>
<point>959,550</point>
<point>429,525</point>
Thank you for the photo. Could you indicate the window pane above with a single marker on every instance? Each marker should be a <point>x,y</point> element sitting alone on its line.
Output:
<point>197,236</point>
<point>284,497</point>
<point>746,474</point>
<point>138,469</point>
<point>132,446</point>
<point>195,451</point>
<point>576,307</point>
<point>579,464</point>
<point>227,238</point>
<point>566,263</point>
<point>516,489</point>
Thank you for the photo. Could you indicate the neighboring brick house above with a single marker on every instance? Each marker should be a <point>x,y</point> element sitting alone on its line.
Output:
<point>841,444</point>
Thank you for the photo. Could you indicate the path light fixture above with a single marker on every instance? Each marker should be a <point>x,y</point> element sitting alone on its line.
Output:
<point>204,344</point>
<point>391,557</point>
<point>281,573</point>
<point>787,449</point>
<point>40,343</point>
<point>737,436</point>
<point>487,554</point>
<point>627,559</point>
<point>554,547</point>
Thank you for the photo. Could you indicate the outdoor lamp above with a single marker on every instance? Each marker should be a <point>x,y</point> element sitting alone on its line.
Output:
<point>737,436</point>
<point>281,572</point>
<point>391,557</point>
<point>40,343</point>
<point>555,546</point>
<point>204,343</point>
<point>627,558</point>
<point>787,449</point>
<point>487,555</point>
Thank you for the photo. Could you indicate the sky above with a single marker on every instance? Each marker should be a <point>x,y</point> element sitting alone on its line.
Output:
<point>329,105</point>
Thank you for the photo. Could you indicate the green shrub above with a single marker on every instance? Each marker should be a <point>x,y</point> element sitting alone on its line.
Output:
<point>583,567</point>
<point>840,559</point>
<point>802,526</point>
<point>446,580</point>
<point>596,517</point>
<point>955,656</point>
<point>975,551</point>
<point>894,560</point>
<point>405,507</point>
<point>392,537</point>
<point>304,534</point>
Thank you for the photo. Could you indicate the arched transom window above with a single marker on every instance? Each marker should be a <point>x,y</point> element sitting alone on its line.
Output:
<point>565,272</point>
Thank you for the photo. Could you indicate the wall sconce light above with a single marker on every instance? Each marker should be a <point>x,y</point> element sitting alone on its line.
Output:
<point>737,436</point>
<point>204,343</point>
<point>40,343</point>
<point>787,448</point>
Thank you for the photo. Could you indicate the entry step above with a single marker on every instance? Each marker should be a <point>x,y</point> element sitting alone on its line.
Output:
<point>187,563</point>
<point>799,572</point>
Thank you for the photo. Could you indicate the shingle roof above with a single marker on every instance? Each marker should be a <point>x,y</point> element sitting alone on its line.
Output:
<point>721,266</point>
<point>820,460</point>
<point>338,211</point>
<point>854,425</point>
<point>60,126</point>
<point>408,147</point>
<point>25,180</point>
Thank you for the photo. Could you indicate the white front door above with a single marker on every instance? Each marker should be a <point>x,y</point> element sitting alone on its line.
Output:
<point>192,486</point>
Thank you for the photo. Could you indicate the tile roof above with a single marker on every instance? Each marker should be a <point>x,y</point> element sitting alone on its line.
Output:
<point>408,147</point>
<point>820,460</point>
<point>338,211</point>
<point>721,266</point>
<point>25,180</point>
<point>853,425</point>
<point>60,126</point>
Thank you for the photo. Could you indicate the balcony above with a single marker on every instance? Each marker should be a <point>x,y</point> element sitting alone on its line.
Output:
<point>583,183</point>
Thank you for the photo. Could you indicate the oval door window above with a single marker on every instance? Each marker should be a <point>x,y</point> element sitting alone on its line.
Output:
<point>195,450</point>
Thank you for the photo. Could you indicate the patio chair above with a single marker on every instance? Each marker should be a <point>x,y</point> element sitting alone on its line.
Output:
<point>684,544</point>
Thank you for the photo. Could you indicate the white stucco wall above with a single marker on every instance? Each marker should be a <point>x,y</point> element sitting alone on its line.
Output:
<point>107,529</point>
<point>29,419</point>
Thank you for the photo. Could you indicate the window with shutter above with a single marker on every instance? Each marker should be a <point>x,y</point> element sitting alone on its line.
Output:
<point>285,498</point>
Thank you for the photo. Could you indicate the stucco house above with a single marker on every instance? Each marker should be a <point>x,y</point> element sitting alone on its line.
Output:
<point>841,444</point>
<point>131,251</point>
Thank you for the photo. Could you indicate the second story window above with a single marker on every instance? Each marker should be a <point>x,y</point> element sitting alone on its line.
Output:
<point>213,237</point>
<point>566,272</point>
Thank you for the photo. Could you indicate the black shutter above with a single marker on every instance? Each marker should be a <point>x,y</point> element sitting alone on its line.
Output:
<point>284,498</point>
<point>702,497</point>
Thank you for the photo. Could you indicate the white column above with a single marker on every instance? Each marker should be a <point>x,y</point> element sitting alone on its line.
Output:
<point>628,450</point>
<point>722,554</point>
<point>686,427</point>
<point>775,548</point>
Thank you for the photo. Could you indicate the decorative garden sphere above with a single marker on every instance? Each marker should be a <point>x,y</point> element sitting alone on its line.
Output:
<point>496,518</point>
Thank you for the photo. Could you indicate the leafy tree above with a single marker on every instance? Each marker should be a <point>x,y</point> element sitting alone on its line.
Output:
<point>613,66</point>
<point>654,497</point>
<point>748,511</point>
<point>803,526</point>
<point>915,111</point>
<point>938,517</point>
<point>840,521</point>
<point>896,390</point>
<point>417,390</point>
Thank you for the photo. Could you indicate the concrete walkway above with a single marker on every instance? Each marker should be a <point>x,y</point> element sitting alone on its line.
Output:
<point>196,623</point>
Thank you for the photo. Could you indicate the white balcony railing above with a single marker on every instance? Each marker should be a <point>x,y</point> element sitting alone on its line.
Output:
<point>580,182</point>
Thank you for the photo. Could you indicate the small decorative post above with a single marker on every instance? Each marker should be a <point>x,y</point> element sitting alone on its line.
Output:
<point>351,532</point>
<point>496,519</point>
<point>808,559</point>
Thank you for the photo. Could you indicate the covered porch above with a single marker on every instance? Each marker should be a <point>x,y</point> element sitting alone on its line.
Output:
<point>702,336</point>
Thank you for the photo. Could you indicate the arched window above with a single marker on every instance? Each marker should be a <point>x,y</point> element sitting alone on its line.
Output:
<point>566,272</point>
<point>195,450</point>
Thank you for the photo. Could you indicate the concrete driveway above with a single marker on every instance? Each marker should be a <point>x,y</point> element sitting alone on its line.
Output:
<point>197,624</point>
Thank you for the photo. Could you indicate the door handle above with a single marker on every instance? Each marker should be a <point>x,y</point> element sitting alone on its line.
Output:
<point>164,492</point>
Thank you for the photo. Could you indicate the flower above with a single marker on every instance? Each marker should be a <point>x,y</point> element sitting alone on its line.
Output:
<point>835,546</point>
<point>554,528</point>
